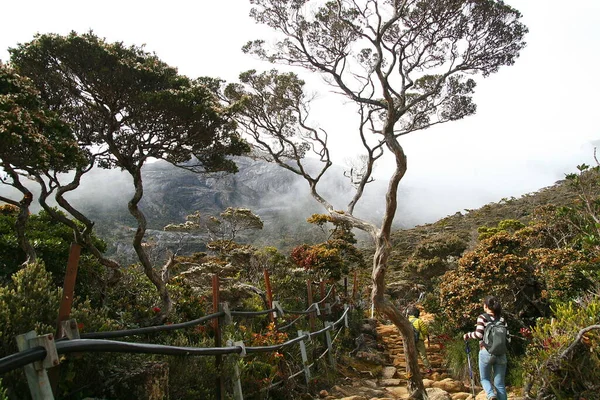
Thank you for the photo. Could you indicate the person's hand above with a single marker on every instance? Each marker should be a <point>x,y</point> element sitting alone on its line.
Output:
<point>466,337</point>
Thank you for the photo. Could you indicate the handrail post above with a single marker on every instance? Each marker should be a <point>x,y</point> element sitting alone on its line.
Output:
<point>311,316</point>
<point>66,303</point>
<point>304,358</point>
<point>237,384</point>
<point>269,293</point>
<point>346,307</point>
<point>354,286</point>
<point>220,386</point>
<point>346,287</point>
<point>329,344</point>
<point>37,377</point>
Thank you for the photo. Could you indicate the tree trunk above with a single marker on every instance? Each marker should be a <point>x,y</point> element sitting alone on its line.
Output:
<point>23,216</point>
<point>20,225</point>
<point>387,308</point>
<point>149,270</point>
<point>380,260</point>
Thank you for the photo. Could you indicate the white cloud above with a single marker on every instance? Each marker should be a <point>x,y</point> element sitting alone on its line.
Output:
<point>535,120</point>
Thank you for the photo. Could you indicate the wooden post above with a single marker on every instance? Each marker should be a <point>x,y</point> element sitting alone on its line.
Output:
<point>66,303</point>
<point>322,290</point>
<point>269,293</point>
<point>220,386</point>
<point>345,288</point>
<point>354,286</point>
<point>37,379</point>
<point>311,316</point>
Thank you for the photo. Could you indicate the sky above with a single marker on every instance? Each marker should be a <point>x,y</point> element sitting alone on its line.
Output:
<point>535,120</point>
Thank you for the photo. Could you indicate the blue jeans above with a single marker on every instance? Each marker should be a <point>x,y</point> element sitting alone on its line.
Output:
<point>492,367</point>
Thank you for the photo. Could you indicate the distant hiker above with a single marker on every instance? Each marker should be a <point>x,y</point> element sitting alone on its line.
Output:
<point>492,334</point>
<point>420,331</point>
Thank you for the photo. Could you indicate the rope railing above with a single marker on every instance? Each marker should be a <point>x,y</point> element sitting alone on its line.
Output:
<point>303,371</point>
<point>150,329</point>
<point>44,350</point>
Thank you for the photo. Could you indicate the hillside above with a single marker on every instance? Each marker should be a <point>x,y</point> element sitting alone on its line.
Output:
<point>410,272</point>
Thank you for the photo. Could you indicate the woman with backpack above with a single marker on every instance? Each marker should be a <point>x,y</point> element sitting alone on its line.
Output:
<point>421,332</point>
<point>492,333</point>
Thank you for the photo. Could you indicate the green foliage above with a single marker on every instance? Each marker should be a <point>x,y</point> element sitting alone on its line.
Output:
<point>441,246</point>
<point>455,357</point>
<point>335,256</point>
<point>559,362</point>
<point>192,377</point>
<point>29,302</point>
<point>507,225</point>
<point>32,138</point>
<point>51,241</point>
<point>170,116</point>
<point>565,273</point>
<point>133,301</point>
<point>497,265</point>
<point>3,392</point>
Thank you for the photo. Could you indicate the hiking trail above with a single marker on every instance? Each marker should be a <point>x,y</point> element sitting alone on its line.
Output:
<point>390,382</point>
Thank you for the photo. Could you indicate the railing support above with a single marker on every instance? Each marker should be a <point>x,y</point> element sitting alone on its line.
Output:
<point>269,292</point>
<point>329,344</point>
<point>37,377</point>
<point>304,358</point>
<point>220,386</point>
<point>311,316</point>
<point>237,384</point>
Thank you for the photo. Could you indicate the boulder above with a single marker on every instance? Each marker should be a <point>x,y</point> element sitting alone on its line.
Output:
<point>438,394</point>
<point>388,372</point>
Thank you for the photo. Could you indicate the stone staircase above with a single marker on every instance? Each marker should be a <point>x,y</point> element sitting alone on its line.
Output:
<point>390,382</point>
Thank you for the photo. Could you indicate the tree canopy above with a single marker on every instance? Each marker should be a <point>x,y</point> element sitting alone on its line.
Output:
<point>125,107</point>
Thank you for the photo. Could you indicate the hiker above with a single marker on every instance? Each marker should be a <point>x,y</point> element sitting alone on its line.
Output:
<point>492,358</point>
<point>420,331</point>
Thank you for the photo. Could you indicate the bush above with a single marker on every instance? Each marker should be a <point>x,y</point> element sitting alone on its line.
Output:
<point>29,302</point>
<point>560,362</point>
<point>441,246</point>
<point>3,393</point>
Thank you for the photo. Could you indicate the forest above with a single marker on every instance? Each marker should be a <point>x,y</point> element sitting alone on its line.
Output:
<point>70,104</point>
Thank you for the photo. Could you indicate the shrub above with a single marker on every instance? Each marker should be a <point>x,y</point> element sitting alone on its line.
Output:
<point>3,393</point>
<point>441,246</point>
<point>562,361</point>
<point>29,302</point>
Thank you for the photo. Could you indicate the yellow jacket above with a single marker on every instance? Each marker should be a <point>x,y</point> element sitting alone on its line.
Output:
<point>420,326</point>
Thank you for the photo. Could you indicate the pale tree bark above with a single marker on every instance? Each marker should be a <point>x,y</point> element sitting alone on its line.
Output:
<point>23,216</point>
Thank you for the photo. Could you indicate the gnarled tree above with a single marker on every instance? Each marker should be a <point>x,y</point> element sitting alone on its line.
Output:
<point>126,107</point>
<point>32,139</point>
<point>403,63</point>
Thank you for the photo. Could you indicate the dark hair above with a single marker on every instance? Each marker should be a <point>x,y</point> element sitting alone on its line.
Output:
<point>414,311</point>
<point>493,304</point>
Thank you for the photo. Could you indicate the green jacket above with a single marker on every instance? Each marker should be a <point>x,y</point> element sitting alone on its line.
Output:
<point>420,326</point>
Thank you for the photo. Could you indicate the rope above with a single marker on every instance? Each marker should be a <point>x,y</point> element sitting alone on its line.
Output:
<point>149,329</point>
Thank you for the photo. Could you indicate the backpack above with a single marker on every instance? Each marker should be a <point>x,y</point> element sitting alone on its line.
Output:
<point>494,336</point>
<point>416,332</point>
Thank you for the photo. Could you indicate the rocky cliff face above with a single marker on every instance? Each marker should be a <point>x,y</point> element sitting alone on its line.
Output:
<point>279,197</point>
